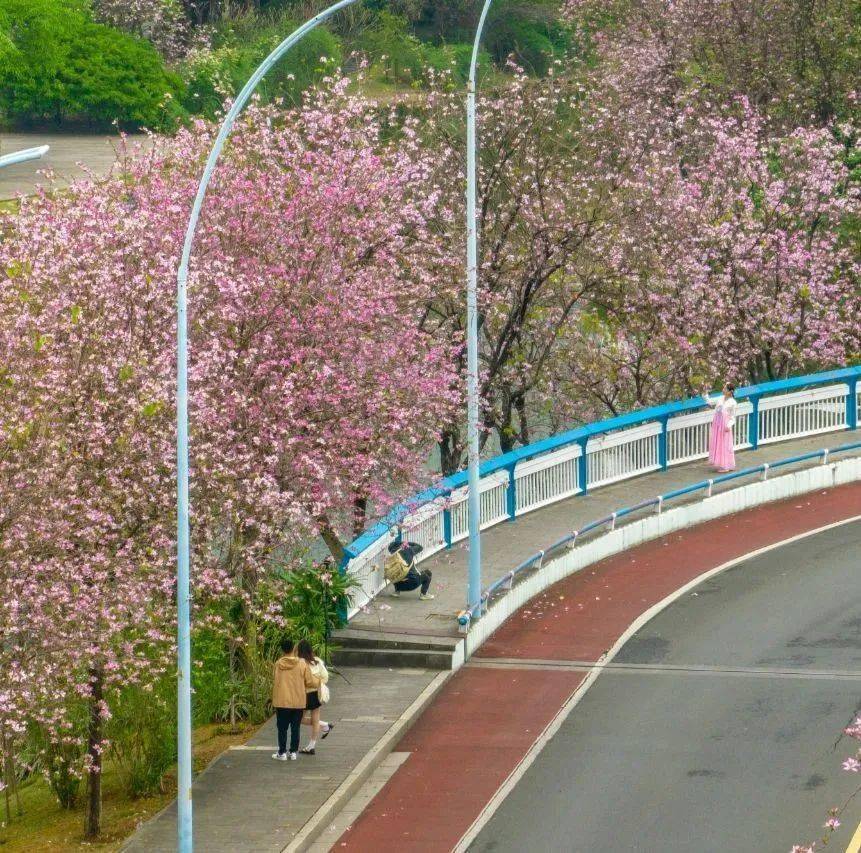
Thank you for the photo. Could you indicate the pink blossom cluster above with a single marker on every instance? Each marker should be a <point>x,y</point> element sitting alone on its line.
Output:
<point>313,386</point>
<point>163,22</point>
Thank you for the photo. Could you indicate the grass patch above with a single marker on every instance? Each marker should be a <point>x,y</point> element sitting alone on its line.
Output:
<point>45,826</point>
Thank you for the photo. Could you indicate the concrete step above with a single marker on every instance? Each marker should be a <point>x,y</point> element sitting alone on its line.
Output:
<point>394,658</point>
<point>351,638</point>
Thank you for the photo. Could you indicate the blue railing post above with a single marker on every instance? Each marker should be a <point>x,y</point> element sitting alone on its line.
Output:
<point>511,494</point>
<point>343,613</point>
<point>662,443</point>
<point>852,404</point>
<point>446,523</point>
<point>753,422</point>
<point>582,467</point>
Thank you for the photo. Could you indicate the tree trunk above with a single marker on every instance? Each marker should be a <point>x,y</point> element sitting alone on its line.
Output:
<point>450,452</point>
<point>331,538</point>
<point>93,824</point>
<point>360,514</point>
<point>502,423</point>
<point>6,775</point>
<point>523,417</point>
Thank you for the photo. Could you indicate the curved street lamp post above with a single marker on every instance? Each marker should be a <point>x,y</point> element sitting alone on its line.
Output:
<point>184,801</point>
<point>184,807</point>
<point>474,496</point>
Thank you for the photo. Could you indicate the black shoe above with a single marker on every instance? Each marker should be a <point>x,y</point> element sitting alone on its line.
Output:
<point>326,733</point>
<point>308,750</point>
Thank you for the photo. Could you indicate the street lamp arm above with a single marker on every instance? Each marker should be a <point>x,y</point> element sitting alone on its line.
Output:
<point>477,43</point>
<point>23,156</point>
<point>184,760</point>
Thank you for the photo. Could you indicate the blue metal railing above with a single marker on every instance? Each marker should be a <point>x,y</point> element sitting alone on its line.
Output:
<point>507,579</point>
<point>582,435</point>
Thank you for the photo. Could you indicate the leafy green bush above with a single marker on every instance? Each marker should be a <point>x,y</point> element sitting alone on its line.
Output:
<point>142,733</point>
<point>210,675</point>
<point>239,46</point>
<point>60,67</point>
<point>58,758</point>
<point>317,601</point>
<point>532,36</point>
<point>455,59</point>
<point>394,48</point>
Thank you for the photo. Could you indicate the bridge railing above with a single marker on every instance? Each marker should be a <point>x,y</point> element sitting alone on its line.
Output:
<point>536,560</point>
<point>602,453</point>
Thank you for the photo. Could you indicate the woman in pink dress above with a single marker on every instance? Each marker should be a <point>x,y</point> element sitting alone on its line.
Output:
<point>721,453</point>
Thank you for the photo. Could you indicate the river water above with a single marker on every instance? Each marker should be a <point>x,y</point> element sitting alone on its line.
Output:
<point>68,150</point>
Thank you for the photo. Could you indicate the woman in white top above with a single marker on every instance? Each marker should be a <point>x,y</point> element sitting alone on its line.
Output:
<point>721,452</point>
<point>315,698</point>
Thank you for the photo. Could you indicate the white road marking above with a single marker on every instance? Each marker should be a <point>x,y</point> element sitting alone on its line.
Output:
<point>597,668</point>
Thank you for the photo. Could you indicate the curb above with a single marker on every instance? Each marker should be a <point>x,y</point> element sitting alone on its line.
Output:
<point>318,822</point>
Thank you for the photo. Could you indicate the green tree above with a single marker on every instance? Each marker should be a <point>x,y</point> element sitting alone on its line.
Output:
<point>63,67</point>
<point>239,46</point>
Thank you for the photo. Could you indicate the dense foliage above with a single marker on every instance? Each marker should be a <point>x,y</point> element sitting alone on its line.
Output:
<point>150,63</point>
<point>218,71</point>
<point>62,67</point>
<point>314,390</point>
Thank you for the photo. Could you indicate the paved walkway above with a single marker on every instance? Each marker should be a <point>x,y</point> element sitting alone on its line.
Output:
<point>509,543</point>
<point>495,715</point>
<point>245,802</point>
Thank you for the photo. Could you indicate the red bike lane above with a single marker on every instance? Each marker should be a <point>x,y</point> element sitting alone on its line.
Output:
<point>479,728</point>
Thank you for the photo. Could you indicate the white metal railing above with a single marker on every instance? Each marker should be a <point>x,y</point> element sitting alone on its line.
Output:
<point>619,455</point>
<point>547,479</point>
<point>688,435</point>
<point>606,452</point>
<point>805,413</point>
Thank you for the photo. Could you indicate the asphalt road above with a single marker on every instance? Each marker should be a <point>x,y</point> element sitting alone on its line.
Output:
<point>718,727</point>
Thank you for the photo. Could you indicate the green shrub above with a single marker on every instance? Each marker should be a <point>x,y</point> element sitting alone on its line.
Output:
<point>142,733</point>
<point>239,46</point>
<point>210,675</point>
<point>60,761</point>
<point>394,48</point>
<point>532,35</point>
<point>63,67</point>
<point>317,601</point>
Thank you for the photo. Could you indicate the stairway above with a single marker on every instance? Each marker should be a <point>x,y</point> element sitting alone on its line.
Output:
<point>395,650</point>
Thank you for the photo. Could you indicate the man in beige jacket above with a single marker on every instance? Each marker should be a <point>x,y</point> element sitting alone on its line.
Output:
<point>292,680</point>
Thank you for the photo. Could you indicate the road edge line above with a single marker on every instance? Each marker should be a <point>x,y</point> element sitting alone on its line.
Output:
<point>554,725</point>
<point>855,841</point>
<point>316,824</point>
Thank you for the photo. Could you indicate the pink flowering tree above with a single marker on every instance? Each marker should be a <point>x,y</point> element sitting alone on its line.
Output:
<point>762,283</point>
<point>736,252</point>
<point>163,22</point>
<point>314,391</point>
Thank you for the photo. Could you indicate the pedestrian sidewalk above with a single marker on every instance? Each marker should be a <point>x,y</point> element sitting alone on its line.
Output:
<point>245,802</point>
<point>509,543</point>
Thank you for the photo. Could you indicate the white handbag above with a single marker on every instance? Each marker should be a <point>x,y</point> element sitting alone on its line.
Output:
<point>319,669</point>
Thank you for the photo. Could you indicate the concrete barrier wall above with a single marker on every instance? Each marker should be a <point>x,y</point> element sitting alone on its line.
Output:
<point>652,527</point>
